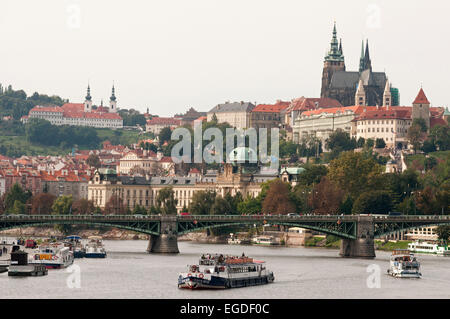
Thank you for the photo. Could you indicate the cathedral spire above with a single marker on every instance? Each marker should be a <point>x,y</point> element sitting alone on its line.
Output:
<point>367,62</point>
<point>361,59</point>
<point>335,52</point>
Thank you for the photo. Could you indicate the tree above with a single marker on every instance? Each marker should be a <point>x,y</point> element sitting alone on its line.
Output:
<point>250,206</point>
<point>360,142</point>
<point>380,143</point>
<point>115,206</point>
<point>370,143</point>
<point>420,122</point>
<point>41,204</point>
<point>94,161</point>
<point>16,193</point>
<point>443,233</point>
<point>221,206</point>
<point>82,206</point>
<point>312,174</point>
<point>18,208</point>
<point>340,141</point>
<point>440,137</point>
<point>165,135</point>
<point>327,197</point>
<point>202,202</point>
<point>287,148</point>
<point>354,172</point>
<point>166,201</point>
<point>62,205</point>
<point>416,136</point>
<point>373,202</point>
<point>278,200</point>
<point>139,210</point>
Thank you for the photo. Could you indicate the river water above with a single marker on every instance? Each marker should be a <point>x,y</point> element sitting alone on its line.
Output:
<point>130,272</point>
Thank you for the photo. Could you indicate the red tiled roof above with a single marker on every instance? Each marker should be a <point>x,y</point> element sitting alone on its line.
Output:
<point>304,104</point>
<point>166,159</point>
<point>164,121</point>
<point>274,108</point>
<point>73,107</point>
<point>421,98</point>
<point>437,121</point>
<point>386,114</point>
<point>357,109</point>
<point>38,108</point>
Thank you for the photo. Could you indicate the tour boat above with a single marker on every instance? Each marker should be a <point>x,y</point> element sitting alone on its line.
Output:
<point>220,272</point>
<point>428,248</point>
<point>52,256</point>
<point>403,264</point>
<point>76,246</point>
<point>94,248</point>
<point>264,240</point>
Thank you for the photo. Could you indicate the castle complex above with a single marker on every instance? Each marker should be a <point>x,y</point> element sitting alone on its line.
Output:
<point>342,85</point>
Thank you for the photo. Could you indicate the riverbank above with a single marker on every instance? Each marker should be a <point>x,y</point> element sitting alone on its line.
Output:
<point>106,233</point>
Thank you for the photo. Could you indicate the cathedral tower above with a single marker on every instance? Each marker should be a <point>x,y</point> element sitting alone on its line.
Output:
<point>334,61</point>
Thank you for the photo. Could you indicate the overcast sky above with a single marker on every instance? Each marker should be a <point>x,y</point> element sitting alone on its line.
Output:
<point>173,54</point>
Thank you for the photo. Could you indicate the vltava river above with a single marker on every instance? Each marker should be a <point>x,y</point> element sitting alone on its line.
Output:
<point>129,272</point>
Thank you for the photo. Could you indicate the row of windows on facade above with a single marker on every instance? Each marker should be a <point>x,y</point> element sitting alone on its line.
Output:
<point>401,122</point>
<point>399,130</point>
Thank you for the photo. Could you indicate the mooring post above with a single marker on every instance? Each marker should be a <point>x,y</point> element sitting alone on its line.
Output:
<point>363,246</point>
<point>167,241</point>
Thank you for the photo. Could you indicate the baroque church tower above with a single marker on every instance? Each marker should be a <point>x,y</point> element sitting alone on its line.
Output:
<point>88,101</point>
<point>113,101</point>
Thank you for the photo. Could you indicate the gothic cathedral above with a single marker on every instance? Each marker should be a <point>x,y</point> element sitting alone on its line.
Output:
<point>347,86</point>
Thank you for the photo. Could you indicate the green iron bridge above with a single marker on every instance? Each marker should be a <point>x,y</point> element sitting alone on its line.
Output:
<point>357,231</point>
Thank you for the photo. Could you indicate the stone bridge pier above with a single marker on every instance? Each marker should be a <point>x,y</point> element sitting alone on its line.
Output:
<point>363,246</point>
<point>167,241</point>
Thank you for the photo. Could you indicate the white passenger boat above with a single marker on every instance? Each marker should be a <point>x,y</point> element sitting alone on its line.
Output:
<point>94,248</point>
<point>428,248</point>
<point>264,240</point>
<point>219,272</point>
<point>52,256</point>
<point>403,264</point>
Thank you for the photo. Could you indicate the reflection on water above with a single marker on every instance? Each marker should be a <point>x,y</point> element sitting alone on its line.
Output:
<point>129,272</point>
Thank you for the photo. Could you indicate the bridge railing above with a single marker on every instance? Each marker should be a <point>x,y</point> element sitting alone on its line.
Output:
<point>266,217</point>
<point>80,217</point>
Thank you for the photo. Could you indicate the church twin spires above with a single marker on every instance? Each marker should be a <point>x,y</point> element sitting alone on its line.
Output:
<point>112,101</point>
